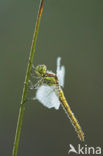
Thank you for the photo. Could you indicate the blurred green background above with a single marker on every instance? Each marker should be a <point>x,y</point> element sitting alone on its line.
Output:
<point>70,29</point>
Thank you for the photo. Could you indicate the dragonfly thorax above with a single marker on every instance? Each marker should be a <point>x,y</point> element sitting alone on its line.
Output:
<point>50,79</point>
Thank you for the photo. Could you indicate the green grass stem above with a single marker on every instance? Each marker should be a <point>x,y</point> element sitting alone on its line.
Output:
<point>24,94</point>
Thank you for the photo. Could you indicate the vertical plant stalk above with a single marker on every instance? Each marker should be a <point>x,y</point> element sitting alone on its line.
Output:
<point>24,94</point>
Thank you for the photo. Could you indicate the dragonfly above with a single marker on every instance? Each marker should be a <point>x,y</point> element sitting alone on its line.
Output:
<point>49,92</point>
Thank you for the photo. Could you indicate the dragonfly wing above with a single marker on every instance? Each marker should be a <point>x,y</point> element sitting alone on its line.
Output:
<point>47,96</point>
<point>60,72</point>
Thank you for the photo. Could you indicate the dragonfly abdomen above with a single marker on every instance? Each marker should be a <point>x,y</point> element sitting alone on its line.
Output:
<point>71,115</point>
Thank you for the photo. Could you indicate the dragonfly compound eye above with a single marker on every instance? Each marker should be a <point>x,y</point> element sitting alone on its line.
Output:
<point>41,69</point>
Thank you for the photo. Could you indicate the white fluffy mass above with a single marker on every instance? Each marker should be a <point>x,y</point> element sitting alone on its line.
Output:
<point>47,96</point>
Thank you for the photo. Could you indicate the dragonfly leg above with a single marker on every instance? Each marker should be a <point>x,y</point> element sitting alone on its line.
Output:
<point>39,83</point>
<point>31,86</point>
<point>35,86</point>
<point>33,75</point>
<point>33,67</point>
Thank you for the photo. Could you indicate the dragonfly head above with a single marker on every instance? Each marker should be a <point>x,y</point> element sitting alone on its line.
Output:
<point>40,70</point>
